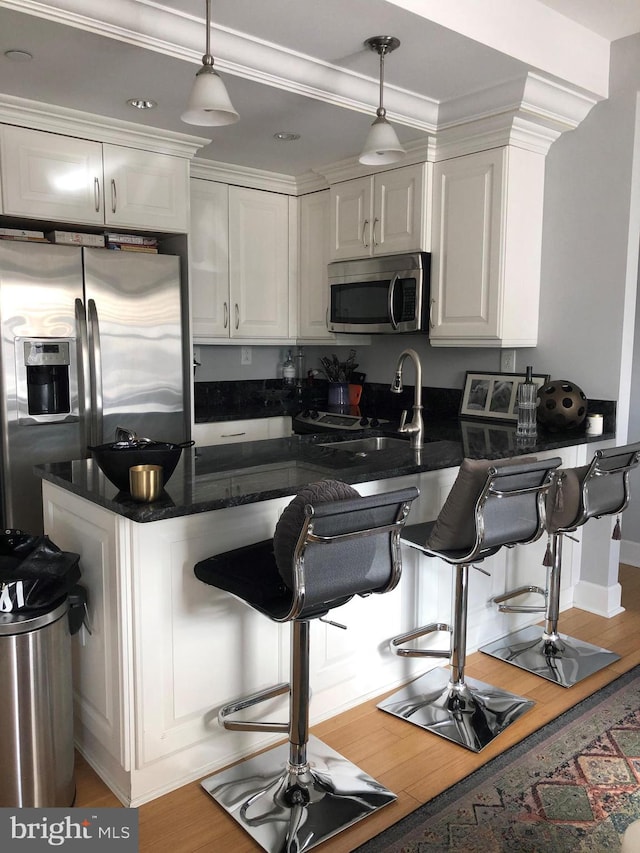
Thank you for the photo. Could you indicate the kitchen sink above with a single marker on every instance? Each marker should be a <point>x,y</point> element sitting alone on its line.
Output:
<point>368,445</point>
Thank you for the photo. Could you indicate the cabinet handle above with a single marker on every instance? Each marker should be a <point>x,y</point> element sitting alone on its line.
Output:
<point>431,304</point>
<point>226,315</point>
<point>364,228</point>
<point>114,196</point>
<point>231,434</point>
<point>373,232</point>
<point>237,316</point>
<point>96,193</point>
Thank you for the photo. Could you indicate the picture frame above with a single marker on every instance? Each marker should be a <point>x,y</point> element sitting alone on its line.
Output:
<point>493,396</point>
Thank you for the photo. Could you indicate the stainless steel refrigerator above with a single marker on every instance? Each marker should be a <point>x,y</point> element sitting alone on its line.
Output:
<point>92,339</point>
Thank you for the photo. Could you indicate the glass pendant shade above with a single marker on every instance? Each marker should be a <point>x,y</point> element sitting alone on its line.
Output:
<point>381,146</point>
<point>209,103</point>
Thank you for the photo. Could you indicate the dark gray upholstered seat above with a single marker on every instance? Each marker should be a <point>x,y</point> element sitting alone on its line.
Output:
<point>492,504</point>
<point>595,490</point>
<point>329,545</point>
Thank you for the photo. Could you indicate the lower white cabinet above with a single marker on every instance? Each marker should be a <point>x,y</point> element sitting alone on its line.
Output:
<point>230,432</point>
<point>486,249</point>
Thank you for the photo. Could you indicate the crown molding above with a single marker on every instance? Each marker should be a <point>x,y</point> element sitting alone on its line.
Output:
<point>228,173</point>
<point>67,122</point>
<point>182,37</point>
<point>530,113</point>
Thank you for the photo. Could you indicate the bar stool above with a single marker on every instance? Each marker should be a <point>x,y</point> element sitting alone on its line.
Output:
<point>491,504</point>
<point>590,491</point>
<point>329,545</point>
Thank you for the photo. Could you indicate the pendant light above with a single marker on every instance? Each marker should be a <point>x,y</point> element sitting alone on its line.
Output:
<point>209,104</point>
<point>381,146</point>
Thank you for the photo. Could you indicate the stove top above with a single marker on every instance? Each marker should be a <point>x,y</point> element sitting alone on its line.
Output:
<point>316,420</point>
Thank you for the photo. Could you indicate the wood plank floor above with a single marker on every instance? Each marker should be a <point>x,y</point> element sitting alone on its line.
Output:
<point>414,764</point>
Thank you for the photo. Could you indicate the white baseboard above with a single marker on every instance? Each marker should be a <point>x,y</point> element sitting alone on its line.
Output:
<point>630,552</point>
<point>603,601</point>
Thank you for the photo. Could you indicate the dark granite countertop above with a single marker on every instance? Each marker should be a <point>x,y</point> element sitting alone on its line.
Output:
<point>212,478</point>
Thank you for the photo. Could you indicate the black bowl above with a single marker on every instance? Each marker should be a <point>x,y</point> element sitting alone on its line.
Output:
<point>114,460</point>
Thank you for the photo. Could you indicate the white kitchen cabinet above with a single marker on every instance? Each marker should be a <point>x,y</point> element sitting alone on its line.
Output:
<point>63,179</point>
<point>380,214</point>
<point>258,263</point>
<point>313,294</point>
<point>144,189</point>
<point>209,260</point>
<point>239,263</point>
<point>251,429</point>
<point>486,249</point>
<point>102,660</point>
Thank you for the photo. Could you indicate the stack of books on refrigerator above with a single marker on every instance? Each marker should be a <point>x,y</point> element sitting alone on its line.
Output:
<point>76,238</point>
<point>131,243</point>
<point>23,234</point>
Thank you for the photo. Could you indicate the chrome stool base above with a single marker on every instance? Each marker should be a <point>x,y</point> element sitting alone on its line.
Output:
<point>285,810</point>
<point>469,713</point>
<point>558,658</point>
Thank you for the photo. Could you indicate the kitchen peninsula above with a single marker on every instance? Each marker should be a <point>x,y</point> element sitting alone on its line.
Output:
<point>165,651</point>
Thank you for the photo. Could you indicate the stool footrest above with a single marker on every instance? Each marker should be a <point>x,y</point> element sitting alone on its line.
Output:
<point>520,608</point>
<point>396,642</point>
<point>248,702</point>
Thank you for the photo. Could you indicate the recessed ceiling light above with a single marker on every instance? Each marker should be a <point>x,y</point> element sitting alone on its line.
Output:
<point>286,136</point>
<point>18,55</point>
<point>142,103</point>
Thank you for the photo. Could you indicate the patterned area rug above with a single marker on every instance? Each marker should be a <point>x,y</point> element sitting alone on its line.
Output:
<point>572,787</point>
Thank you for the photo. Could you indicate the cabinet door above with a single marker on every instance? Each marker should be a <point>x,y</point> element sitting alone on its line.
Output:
<point>351,219</point>
<point>258,263</point>
<point>314,257</point>
<point>209,260</point>
<point>399,206</point>
<point>102,659</point>
<point>465,271</point>
<point>45,176</point>
<point>145,190</point>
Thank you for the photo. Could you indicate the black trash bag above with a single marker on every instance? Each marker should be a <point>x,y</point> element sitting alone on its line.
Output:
<point>34,573</point>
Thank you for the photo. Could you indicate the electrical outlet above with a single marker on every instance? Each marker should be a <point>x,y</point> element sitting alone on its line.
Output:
<point>508,361</point>
<point>245,355</point>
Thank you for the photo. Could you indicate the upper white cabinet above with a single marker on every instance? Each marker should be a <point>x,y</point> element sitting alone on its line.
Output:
<point>209,260</point>
<point>379,215</point>
<point>239,263</point>
<point>59,178</point>
<point>313,293</point>
<point>486,249</point>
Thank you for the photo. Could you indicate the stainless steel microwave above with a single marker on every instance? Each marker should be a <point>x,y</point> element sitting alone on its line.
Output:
<point>387,295</point>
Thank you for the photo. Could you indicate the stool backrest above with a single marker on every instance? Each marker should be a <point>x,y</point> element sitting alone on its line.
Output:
<point>605,487</point>
<point>510,509</point>
<point>346,548</point>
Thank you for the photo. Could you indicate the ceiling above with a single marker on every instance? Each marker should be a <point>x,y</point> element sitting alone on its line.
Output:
<point>292,65</point>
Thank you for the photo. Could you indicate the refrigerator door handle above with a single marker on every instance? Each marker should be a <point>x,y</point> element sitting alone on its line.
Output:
<point>96,372</point>
<point>84,376</point>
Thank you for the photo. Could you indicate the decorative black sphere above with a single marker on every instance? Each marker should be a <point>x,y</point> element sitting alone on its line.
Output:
<point>562,405</point>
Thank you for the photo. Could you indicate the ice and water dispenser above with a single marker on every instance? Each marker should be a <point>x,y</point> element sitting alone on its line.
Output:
<point>45,370</point>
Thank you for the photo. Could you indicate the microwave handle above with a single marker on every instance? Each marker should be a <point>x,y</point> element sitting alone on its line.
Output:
<point>392,288</point>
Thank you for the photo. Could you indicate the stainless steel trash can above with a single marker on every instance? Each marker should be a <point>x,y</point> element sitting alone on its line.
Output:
<point>36,709</point>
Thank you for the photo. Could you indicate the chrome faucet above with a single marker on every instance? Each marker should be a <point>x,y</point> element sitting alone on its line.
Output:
<point>415,429</point>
